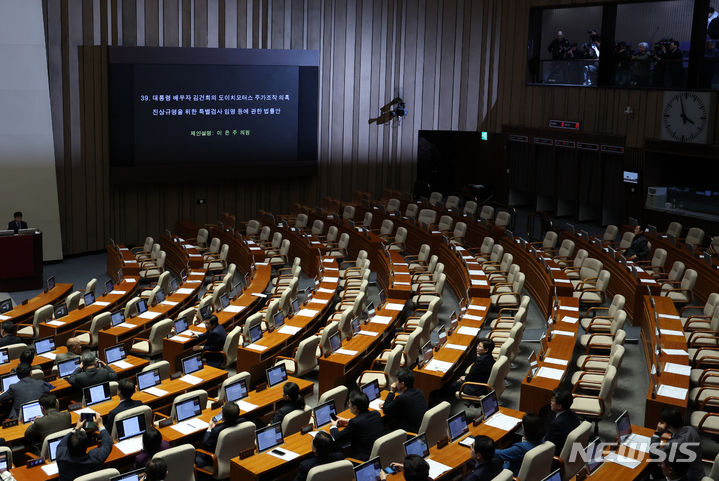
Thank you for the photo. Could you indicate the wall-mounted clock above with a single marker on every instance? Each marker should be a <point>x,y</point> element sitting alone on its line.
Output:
<point>685,117</point>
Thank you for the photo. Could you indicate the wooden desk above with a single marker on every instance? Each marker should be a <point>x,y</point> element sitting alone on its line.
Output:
<point>21,262</point>
<point>121,258</point>
<point>180,255</point>
<point>23,312</point>
<point>42,361</point>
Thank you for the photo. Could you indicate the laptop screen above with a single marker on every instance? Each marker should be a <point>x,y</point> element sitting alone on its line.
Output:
<point>489,404</point>
<point>173,285</point>
<point>255,333</point>
<point>115,353</point>
<point>322,413</point>
<point>117,317</point>
<point>141,306</point>
<point>457,425</point>
<point>8,380</point>
<point>224,301</point>
<point>5,305</point>
<point>31,411</point>
<point>356,325</point>
<point>89,298</point>
<point>417,445</point>
<point>427,352</point>
<point>236,390</point>
<point>52,446</point>
<point>371,389</point>
<point>129,427</point>
<point>296,306</point>
<point>60,311</point>
<point>382,298</point>
<point>279,320</point>
<point>192,364</point>
<point>109,286</point>
<point>181,325</point>
<point>205,312</point>
<point>50,283</point>
<point>148,379</point>
<point>276,375</point>
<point>3,462</point>
<point>129,476</point>
<point>188,409</point>
<point>159,297</point>
<point>97,393</point>
<point>65,368</point>
<point>554,476</point>
<point>368,471</point>
<point>335,341</point>
<point>4,356</point>
<point>269,437</point>
<point>624,425</point>
<point>594,455</point>
<point>44,345</point>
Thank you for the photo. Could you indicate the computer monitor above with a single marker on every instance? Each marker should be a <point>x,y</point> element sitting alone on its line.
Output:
<point>120,276</point>
<point>148,379</point>
<point>130,427</point>
<point>4,356</point>
<point>624,425</point>
<point>554,476</point>
<point>89,298</point>
<point>141,307</point>
<point>278,320</point>
<point>181,325</point>
<point>224,301</point>
<point>594,455</point>
<point>192,364</point>
<point>426,352</point>
<point>52,447</point>
<point>117,317</point>
<point>205,312</point>
<point>269,437</point>
<point>489,404</point>
<point>335,342</point>
<point>3,462</point>
<point>173,285</point>
<point>236,391</point>
<point>5,306</point>
<point>368,471</point>
<point>371,389</point>
<point>115,353</point>
<point>457,426</point>
<point>276,375</point>
<point>8,380</point>
<point>46,344</point>
<point>188,409</point>
<point>129,476</point>
<point>30,411</point>
<point>441,336</point>
<point>356,325</point>
<point>382,298</point>
<point>323,413</point>
<point>159,297</point>
<point>60,311</point>
<point>109,286</point>
<point>97,393</point>
<point>65,368</point>
<point>50,283</point>
<point>255,333</point>
<point>295,306</point>
<point>417,445</point>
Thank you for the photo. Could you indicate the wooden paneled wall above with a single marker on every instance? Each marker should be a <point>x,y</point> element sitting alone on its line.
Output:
<point>441,56</point>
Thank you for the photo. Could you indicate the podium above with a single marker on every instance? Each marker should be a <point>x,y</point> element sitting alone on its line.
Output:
<point>21,262</point>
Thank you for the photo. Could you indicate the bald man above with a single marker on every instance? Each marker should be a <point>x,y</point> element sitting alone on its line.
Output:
<point>74,349</point>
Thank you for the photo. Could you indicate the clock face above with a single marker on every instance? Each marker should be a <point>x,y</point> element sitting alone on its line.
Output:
<point>685,117</point>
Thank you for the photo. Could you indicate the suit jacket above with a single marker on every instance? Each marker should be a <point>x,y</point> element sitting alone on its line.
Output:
<point>70,468</point>
<point>689,435</point>
<point>484,471</point>
<point>124,405</point>
<point>25,390</point>
<point>52,422</point>
<point>9,340</point>
<point>560,427</point>
<point>639,247</point>
<point>361,432</point>
<point>285,409</point>
<point>12,225</point>
<point>209,440</point>
<point>81,379</point>
<point>481,369</point>
<point>215,339</point>
<point>310,463</point>
<point>406,410</point>
<point>512,456</point>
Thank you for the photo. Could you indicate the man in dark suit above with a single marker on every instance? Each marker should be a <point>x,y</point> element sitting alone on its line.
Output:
<point>323,449</point>
<point>125,390</point>
<point>564,422</point>
<point>17,224</point>
<point>671,423</point>
<point>51,421</point>
<point>7,334</point>
<point>230,417</point>
<point>485,468</point>
<point>25,390</point>
<point>73,459</point>
<point>362,430</point>
<point>512,456</point>
<point>405,405</point>
<point>214,339</point>
<point>91,372</point>
<point>293,400</point>
<point>480,370</point>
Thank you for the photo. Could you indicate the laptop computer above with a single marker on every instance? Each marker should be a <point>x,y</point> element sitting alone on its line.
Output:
<point>457,425</point>
<point>89,298</point>
<point>5,306</point>
<point>65,368</point>
<point>205,312</point>
<point>278,320</point>
<point>173,285</point>
<point>276,375</point>
<point>148,379</point>
<point>335,342</point>
<point>30,411</point>
<point>295,306</point>
<point>236,391</point>
<point>624,427</point>
<point>141,307</point>
<point>133,475</point>
<point>368,471</point>
<point>4,356</point>
<point>51,283</point>
<point>159,297</point>
<point>323,413</point>
<point>594,455</point>
<point>490,405</point>
<point>117,317</point>
<point>52,447</point>
<point>426,353</point>
<point>181,325</point>
<point>417,445</point>
<point>46,344</point>
<point>554,476</point>
<point>255,333</point>
<point>109,286</point>
<point>60,311</point>
<point>269,437</point>
<point>8,380</point>
<point>3,462</point>
<point>96,394</point>
<point>130,427</point>
<point>224,301</point>
<point>115,353</point>
<point>192,364</point>
<point>188,409</point>
<point>371,389</point>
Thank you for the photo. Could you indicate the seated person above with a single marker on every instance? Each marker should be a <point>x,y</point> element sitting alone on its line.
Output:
<point>17,224</point>
<point>293,400</point>
<point>639,248</point>
<point>73,458</point>
<point>214,339</point>
<point>152,443</point>
<point>676,469</point>
<point>485,466</point>
<point>671,423</point>
<point>7,334</point>
<point>564,422</point>
<point>405,405</point>
<point>480,370</point>
<point>323,449</point>
<point>125,390</point>
<point>74,349</point>
<point>362,430</point>
<point>156,470</point>
<point>92,371</point>
<point>52,421</point>
<point>533,434</point>
<point>415,469</point>
<point>230,417</point>
<point>25,390</point>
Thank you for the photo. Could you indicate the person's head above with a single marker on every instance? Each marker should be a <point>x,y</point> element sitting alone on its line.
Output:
<point>87,359</point>
<point>74,346</point>
<point>77,443</point>
<point>8,328</point>
<point>47,401</point>
<point>483,448</point>
<point>322,444</point>
<point>18,216</point>
<point>415,468</point>
<point>230,413</point>
<point>359,402</point>
<point>643,47</point>
<point>126,388</point>
<point>291,391</point>
<point>533,427</point>
<point>28,355</point>
<point>23,370</point>
<point>212,322</point>
<point>673,45</point>
<point>156,470</point>
<point>710,45</point>
<point>673,466</point>
<point>405,379</point>
<point>485,346</point>
<point>561,400</point>
<point>151,440</point>
<point>560,34</point>
<point>639,229</point>
<point>670,419</point>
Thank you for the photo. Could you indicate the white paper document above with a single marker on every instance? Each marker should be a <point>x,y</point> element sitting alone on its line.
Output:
<point>468,331</point>
<point>128,261</point>
<point>233,308</point>
<point>648,281</point>
<point>190,426</point>
<point>400,283</point>
<point>439,366</point>
<point>283,454</point>
<point>179,338</point>
<point>156,391</point>
<point>168,303</point>
<point>319,301</point>
<point>569,308</point>
<point>638,442</point>
<point>131,445</point>
<point>192,281</point>
<point>672,392</point>
<point>375,404</point>
<point>391,306</point>
<point>436,469</point>
<point>381,319</point>
<point>368,333</point>
<point>328,261</point>
<point>4,318</point>
<point>190,379</point>
<point>101,303</point>
<point>558,362</point>
<point>677,368</point>
<point>479,282</point>
<point>550,373</point>
<point>86,410</point>
<point>456,347</point>
<point>325,290</point>
<point>245,406</point>
<point>130,280</point>
<point>563,333</point>
<point>307,312</point>
<point>346,352</point>
<point>126,325</point>
<point>184,290</point>
<point>121,364</point>
<point>259,294</point>
<point>502,421</point>
<point>291,330</point>
<point>671,332</point>
<point>256,347</point>
<point>148,315</point>
<point>622,460</point>
<point>566,281</point>
<point>50,469</point>
<point>330,279</point>
<point>472,317</point>
<point>668,316</point>
<point>675,352</point>
<point>49,355</point>
<point>569,319</point>
<point>476,307</point>
<point>55,323</point>
<point>476,272</point>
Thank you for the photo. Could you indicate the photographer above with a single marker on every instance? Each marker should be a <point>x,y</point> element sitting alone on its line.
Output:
<point>591,52</point>
<point>559,47</point>
<point>623,63</point>
<point>641,65</point>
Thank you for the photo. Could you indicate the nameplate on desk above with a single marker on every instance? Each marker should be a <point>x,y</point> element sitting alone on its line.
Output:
<point>164,423</point>
<point>256,347</point>
<point>74,406</point>
<point>175,375</point>
<point>35,462</point>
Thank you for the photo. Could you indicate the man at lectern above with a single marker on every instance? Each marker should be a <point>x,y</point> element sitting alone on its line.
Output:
<point>18,223</point>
